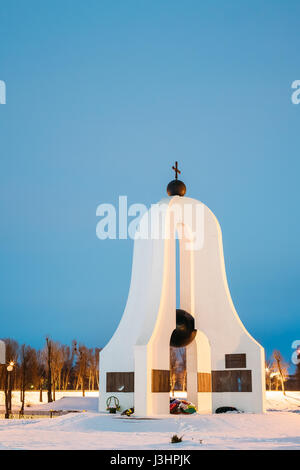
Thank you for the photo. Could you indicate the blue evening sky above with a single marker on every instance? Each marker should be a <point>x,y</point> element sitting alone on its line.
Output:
<point>102,98</point>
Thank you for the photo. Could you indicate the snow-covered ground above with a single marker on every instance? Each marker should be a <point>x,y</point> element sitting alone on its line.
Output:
<point>279,428</point>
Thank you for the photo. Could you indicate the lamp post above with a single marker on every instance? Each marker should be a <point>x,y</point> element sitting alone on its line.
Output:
<point>9,369</point>
<point>268,376</point>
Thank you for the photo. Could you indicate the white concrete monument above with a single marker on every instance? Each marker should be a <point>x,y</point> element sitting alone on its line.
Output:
<point>225,365</point>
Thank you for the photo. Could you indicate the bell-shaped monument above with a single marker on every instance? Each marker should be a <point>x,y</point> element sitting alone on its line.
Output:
<point>224,364</point>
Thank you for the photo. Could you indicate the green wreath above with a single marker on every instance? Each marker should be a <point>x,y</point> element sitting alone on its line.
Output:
<point>112,403</point>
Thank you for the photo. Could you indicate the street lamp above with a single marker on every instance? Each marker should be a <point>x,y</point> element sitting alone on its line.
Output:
<point>9,369</point>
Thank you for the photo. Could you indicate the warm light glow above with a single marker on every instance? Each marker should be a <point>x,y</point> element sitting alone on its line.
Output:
<point>10,366</point>
<point>274,374</point>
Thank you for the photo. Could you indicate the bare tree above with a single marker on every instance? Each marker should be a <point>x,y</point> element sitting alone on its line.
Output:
<point>93,368</point>
<point>173,369</point>
<point>41,373</point>
<point>49,372</point>
<point>81,366</point>
<point>297,372</point>
<point>181,354</point>
<point>281,367</point>
<point>177,369</point>
<point>12,351</point>
<point>68,354</point>
<point>28,368</point>
<point>57,363</point>
<point>270,369</point>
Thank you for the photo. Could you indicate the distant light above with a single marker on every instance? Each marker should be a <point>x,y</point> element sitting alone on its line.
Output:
<point>275,374</point>
<point>10,366</point>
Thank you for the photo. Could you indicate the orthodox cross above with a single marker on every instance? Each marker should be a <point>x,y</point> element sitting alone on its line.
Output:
<point>175,168</point>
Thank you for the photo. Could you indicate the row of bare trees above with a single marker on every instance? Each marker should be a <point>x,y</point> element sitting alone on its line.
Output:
<point>55,367</point>
<point>277,372</point>
<point>61,367</point>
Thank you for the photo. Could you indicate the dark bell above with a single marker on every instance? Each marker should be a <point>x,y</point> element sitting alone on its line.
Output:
<point>185,329</point>
<point>176,188</point>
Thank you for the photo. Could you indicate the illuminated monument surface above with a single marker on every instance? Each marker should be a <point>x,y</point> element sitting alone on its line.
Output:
<point>224,364</point>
